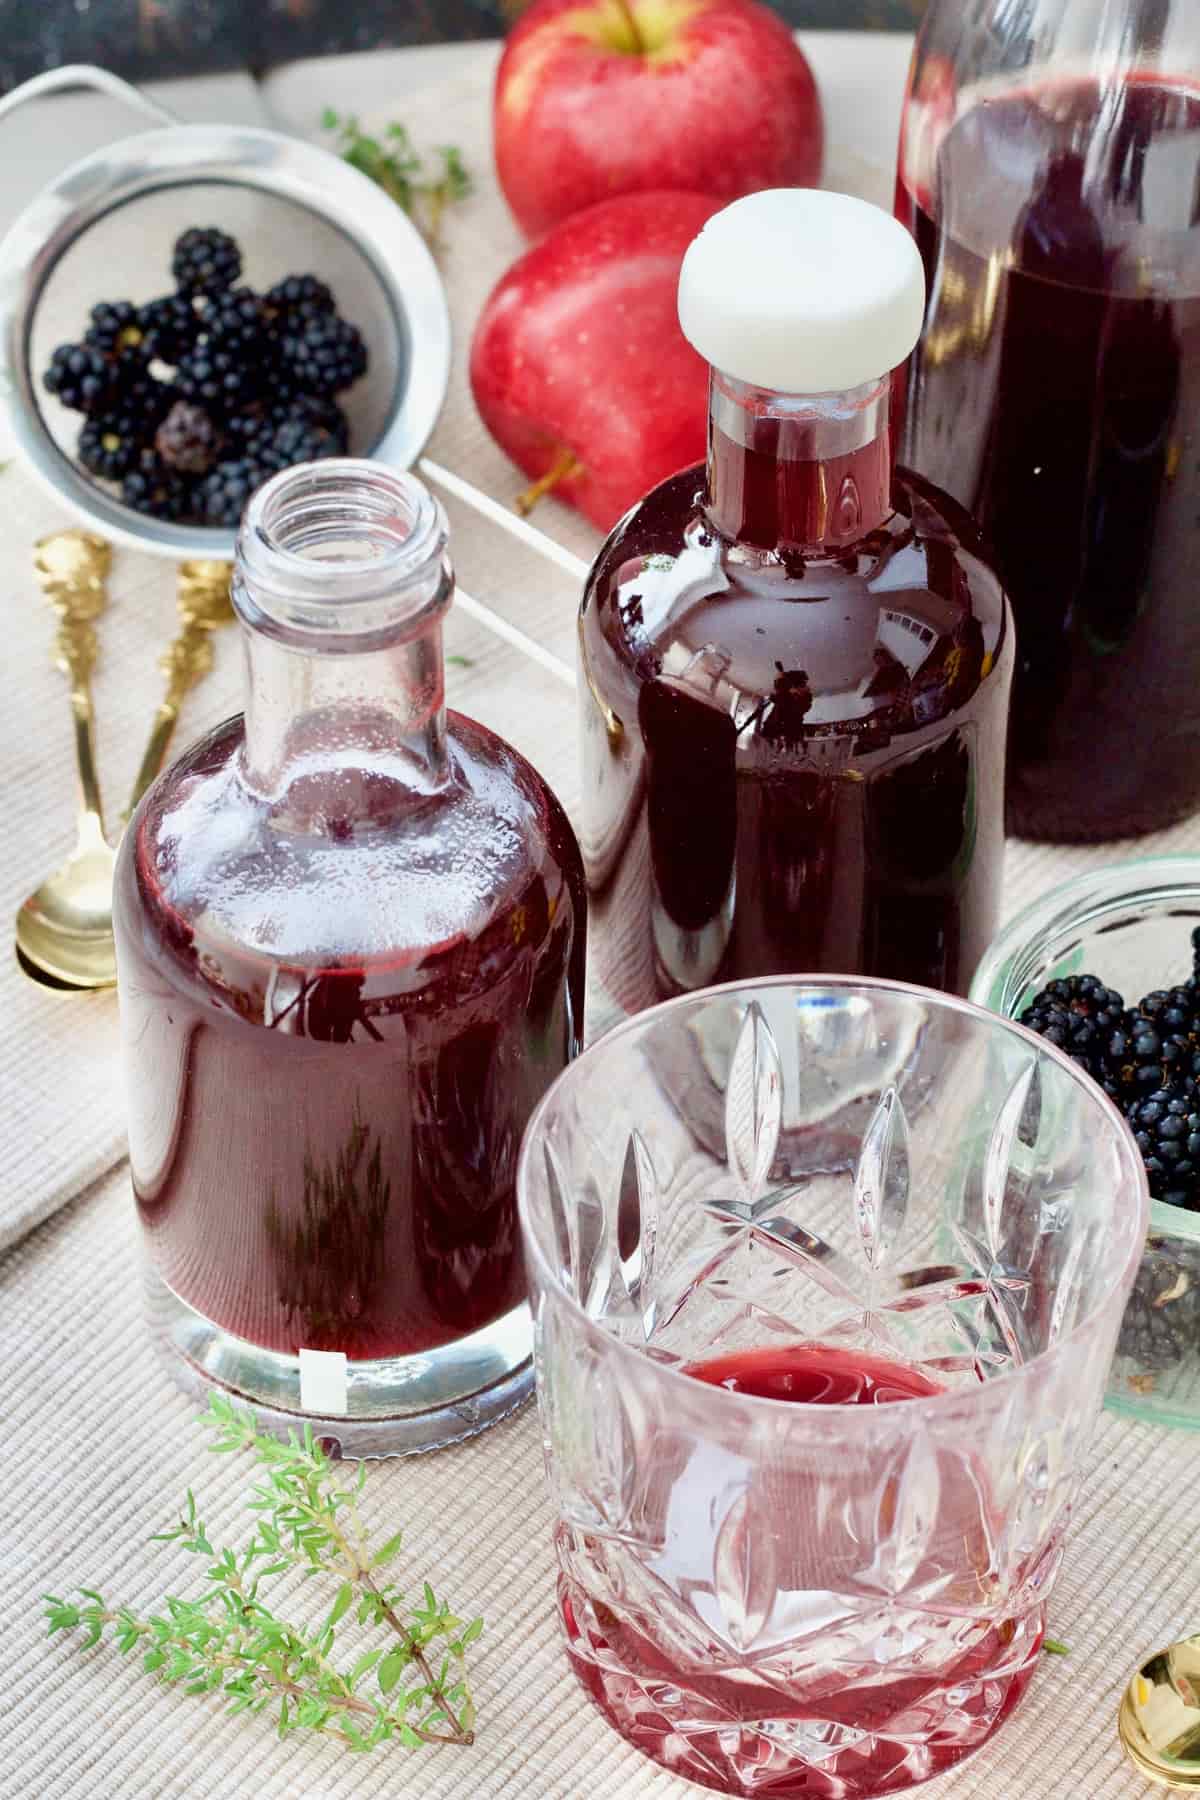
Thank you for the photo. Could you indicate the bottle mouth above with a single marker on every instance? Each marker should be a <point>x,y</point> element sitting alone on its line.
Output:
<point>341,554</point>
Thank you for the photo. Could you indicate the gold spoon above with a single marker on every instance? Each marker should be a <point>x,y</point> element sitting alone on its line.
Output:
<point>1159,1722</point>
<point>203,603</point>
<point>64,928</point>
<point>63,948</point>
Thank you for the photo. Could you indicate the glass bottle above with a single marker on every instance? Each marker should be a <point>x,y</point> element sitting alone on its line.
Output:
<point>1050,172</point>
<point>795,659</point>
<point>350,948</point>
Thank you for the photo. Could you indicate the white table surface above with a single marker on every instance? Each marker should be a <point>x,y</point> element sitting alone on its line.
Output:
<point>98,1445</point>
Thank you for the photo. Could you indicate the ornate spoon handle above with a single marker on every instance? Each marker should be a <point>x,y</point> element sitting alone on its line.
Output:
<point>203,605</point>
<point>71,567</point>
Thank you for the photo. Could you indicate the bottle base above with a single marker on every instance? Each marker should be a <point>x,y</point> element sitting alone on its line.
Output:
<point>391,1406</point>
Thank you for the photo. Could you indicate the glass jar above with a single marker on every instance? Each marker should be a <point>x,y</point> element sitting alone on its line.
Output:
<point>350,947</point>
<point>1050,172</point>
<point>795,658</point>
<point>1131,924</point>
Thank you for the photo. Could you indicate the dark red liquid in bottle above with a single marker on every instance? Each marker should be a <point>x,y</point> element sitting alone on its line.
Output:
<point>324,1149</point>
<point>816,1375</point>
<point>792,754</point>
<point>1054,394</point>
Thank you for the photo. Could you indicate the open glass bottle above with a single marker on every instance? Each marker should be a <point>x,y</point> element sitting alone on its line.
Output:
<point>350,936</point>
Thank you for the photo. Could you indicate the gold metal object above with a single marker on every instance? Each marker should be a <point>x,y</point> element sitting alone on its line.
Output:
<point>64,928</point>
<point>1159,1721</point>
<point>203,604</point>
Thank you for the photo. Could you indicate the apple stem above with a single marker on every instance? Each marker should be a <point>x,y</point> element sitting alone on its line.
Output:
<point>565,464</point>
<point>638,45</point>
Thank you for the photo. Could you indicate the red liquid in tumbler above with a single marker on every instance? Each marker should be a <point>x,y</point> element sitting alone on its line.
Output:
<point>815,1375</point>
<point>1055,394</point>
<point>837,1527</point>
<point>325,1151</point>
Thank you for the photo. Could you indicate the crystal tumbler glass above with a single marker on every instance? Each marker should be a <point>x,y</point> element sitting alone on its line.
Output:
<point>776,1186</point>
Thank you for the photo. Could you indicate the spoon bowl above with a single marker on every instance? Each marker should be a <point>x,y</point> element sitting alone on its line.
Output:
<point>1159,1722</point>
<point>64,928</point>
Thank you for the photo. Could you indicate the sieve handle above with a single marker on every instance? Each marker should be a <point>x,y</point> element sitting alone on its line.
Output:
<point>86,75</point>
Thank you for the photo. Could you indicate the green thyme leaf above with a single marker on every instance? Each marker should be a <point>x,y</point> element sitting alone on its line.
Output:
<point>400,170</point>
<point>227,1640</point>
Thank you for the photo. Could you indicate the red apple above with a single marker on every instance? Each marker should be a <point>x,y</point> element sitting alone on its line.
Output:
<point>578,365</point>
<point>602,97</point>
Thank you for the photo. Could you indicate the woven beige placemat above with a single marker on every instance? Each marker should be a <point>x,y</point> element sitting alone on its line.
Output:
<point>99,1449</point>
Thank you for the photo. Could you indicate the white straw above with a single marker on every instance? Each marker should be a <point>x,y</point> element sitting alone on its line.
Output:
<point>520,640</point>
<point>566,560</point>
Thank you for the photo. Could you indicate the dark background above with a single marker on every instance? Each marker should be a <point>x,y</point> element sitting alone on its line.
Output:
<point>144,39</point>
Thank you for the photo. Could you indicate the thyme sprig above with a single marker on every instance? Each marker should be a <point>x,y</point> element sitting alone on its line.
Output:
<point>411,1688</point>
<point>399,169</point>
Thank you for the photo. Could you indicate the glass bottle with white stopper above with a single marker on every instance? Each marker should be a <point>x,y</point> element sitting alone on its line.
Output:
<point>796,659</point>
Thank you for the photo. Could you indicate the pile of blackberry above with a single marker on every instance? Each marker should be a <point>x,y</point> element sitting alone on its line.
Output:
<point>193,400</point>
<point>1147,1059</point>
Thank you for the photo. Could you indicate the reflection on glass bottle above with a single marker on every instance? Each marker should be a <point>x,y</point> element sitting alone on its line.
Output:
<point>331,1254</point>
<point>1137,400</point>
<point>691,815</point>
<point>1034,495</point>
<point>466,1135</point>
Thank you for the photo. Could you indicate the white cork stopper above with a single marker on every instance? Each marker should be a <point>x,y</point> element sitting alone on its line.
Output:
<point>802,291</point>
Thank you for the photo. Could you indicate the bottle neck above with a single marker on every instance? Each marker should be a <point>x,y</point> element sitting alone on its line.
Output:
<point>801,472</point>
<point>341,582</point>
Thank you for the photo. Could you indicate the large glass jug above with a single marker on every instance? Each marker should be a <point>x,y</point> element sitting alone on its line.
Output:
<point>1050,171</point>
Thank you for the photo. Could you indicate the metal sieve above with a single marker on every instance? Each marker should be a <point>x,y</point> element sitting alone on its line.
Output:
<point>104,230</point>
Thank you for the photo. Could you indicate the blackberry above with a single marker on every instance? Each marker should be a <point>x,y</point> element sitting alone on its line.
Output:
<point>109,446</point>
<point>1086,997</point>
<point>1143,1055</point>
<point>299,297</point>
<point>81,378</point>
<point>116,325</point>
<point>222,495</point>
<point>217,379</point>
<point>324,355</point>
<point>297,441</point>
<point>1166,1129</point>
<point>1080,1015</point>
<point>236,321</point>
<point>187,439</point>
<point>205,261</point>
<point>152,488</point>
<point>1069,1031</point>
<point>138,394</point>
<point>325,415</point>
<point>1180,1013</point>
<point>169,326</point>
<point>251,429</point>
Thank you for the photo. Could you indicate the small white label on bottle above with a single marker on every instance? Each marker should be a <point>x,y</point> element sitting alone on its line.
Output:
<point>323,1381</point>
